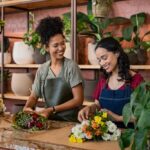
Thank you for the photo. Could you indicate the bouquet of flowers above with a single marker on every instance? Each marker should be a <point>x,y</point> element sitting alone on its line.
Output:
<point>96,128</point>
<point>32,122</point>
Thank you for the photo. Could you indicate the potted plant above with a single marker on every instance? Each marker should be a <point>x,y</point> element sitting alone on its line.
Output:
<point>100,8</point>
<point>132,33</point>
<point>6,78</point>
<point>139,109</point>
<point>33,39</point>
<point>7,55</point>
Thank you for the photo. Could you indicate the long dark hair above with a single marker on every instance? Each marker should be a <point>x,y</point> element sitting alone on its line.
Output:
<point>112,45</point>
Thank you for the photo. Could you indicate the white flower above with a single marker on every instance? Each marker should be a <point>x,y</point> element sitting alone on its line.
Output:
<point>117,133</point>
<point>111,126</point>
<point>113,137</point>
<point>106,136</point>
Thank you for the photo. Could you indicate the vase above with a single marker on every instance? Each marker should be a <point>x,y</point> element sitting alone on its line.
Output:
<point>21,83</point>
<point>38,57</point>
<point>22,53</point>
<point>91,54</point>
<point>68,52</point>
<point>7,58</point>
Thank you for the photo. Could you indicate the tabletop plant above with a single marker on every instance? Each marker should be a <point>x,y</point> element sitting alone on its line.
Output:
<point>139,109</point>
<point>132,33</point>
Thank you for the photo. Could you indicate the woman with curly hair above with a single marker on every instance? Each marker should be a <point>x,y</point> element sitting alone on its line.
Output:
<point>118,81</point>
<point>58,81</point>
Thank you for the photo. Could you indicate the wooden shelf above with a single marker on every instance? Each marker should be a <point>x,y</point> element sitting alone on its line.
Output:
<point>16,97</point>
<point>83,67</point>
<point>36,4</point>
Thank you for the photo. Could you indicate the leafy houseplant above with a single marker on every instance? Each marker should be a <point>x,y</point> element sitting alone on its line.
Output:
<point>139,109</point>
<point>132,33</point>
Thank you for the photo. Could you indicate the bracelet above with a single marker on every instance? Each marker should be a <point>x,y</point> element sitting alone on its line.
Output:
<point>54,110</point>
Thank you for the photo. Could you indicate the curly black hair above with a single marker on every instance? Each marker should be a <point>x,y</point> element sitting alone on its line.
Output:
<point>49,27</point>
<point>112,45</point>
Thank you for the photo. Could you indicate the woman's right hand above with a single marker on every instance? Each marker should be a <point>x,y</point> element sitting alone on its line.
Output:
<point>84,113</point>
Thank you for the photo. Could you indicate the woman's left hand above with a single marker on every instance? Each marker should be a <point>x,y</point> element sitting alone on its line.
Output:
<point>114,117</point>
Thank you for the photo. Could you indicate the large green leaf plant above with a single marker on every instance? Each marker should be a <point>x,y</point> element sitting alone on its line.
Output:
<point>139,109</point>
<point>132,32</point>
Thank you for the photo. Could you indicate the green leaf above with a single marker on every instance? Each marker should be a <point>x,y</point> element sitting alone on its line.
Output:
<point>140,139</point>
<point>127,113</point>
<point>143,121</point>
<point>126,138</point>
<point>127,33</point>
<point>138,19</point>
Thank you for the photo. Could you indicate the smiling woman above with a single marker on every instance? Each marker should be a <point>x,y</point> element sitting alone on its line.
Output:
<point>58,81</point>
<point>117,83</point>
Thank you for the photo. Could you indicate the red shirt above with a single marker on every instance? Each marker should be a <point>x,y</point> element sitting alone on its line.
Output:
<point>136,80</point>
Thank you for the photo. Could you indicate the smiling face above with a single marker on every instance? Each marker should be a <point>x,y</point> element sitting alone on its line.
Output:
<point>57,46</point>
<point>107,59</point>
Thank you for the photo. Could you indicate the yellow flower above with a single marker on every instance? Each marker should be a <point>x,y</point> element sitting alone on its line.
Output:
<point>102,123</point>
<point>79,140</point>
<point>97,119</point>
<point>104,115</point>
<point>72,139</point>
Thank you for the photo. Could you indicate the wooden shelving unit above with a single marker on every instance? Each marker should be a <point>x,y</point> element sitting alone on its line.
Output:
<point>84,67</point>
<point>30,5</point>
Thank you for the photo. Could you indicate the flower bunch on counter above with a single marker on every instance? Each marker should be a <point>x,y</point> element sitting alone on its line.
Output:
<point>98,127</point>
<point>33,121</point>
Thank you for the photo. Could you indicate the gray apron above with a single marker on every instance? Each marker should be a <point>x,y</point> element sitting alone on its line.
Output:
<point>56,91</point>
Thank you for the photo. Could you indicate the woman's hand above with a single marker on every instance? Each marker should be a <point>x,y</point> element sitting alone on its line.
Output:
<point>84,113</point>
<point>45,112</point>
<point>114,117</point>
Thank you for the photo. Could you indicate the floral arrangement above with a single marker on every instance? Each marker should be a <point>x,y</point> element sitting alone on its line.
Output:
<point>32,122</point>
<point>98,127</point>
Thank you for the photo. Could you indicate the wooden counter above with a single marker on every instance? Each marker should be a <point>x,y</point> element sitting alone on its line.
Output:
<point>55,138</point>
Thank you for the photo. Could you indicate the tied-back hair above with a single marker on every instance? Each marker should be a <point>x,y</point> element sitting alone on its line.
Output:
<point>112,45</point>
<point>49,27</point>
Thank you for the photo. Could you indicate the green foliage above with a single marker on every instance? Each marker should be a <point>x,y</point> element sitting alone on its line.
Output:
<point>139,109</point>
<point>132,32</point>
<point>32,38</point>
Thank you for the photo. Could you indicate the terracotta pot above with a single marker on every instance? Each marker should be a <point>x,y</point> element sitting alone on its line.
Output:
<point>21,83</point>
<point>22,53</point>
<point>7,58</point>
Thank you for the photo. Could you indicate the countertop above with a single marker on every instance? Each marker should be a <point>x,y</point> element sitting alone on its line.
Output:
<point>56,138</point>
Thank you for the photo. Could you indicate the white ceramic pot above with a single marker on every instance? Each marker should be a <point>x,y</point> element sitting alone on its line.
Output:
<point>21,83</point>
<point>91,54</point>
<point>68,52</point>
<point>22,53</point>
<point>7,58</point>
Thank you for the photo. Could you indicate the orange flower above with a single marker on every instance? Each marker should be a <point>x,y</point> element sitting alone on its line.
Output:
<point>94,125</point>
<point>98,132</point>
<point>84,128</point>
<point>89,134</point>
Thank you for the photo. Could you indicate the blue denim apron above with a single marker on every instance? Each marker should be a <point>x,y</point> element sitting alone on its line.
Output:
<point>114,100</point>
